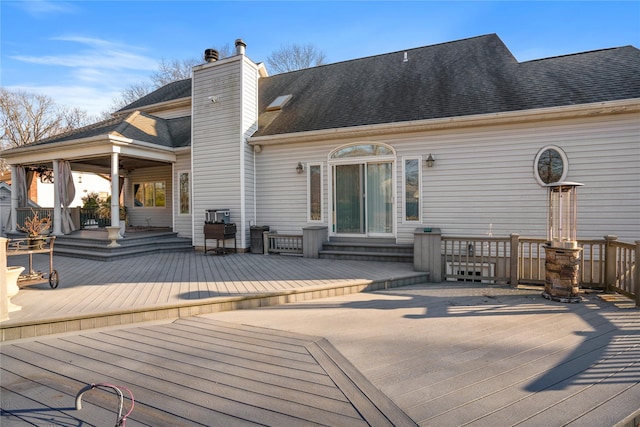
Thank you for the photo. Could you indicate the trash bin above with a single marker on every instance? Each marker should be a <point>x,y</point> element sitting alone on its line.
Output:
<point>257,238</point>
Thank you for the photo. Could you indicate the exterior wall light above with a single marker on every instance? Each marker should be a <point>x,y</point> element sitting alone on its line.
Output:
<point>430,160</point>
<point>300,168</point>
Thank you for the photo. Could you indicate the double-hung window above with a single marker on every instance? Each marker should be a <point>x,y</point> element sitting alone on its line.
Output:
<point>150,194</point>
<point>314,193</point>
<point>412,189</point>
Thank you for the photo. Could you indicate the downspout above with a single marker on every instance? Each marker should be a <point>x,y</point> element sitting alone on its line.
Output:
<point>191,175</point>
<point>240,50</point>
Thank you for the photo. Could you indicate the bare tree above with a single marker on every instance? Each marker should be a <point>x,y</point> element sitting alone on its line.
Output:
<point>295,57</point>
<point>168,71</point>
<point>28,117</point>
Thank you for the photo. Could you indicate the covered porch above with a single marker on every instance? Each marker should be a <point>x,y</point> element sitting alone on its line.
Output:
<point>121,150</point>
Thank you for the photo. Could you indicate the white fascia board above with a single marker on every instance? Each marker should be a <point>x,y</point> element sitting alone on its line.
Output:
<point>88,147</point>
<point>626,106</point>
<point>163,154</point>
<point>160,106</point>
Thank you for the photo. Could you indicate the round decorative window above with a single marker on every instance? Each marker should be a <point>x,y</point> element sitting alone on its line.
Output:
<point>550,165</point>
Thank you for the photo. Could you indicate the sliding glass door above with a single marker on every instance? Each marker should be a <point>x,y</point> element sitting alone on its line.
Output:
<point>363,198</point>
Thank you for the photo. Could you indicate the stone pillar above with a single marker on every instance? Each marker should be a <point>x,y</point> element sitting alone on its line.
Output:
<point>312,239</point>
<point>562,267</point>
<point>427,252</point>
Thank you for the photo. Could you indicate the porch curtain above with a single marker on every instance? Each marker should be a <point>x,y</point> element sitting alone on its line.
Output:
<point>67,194</point>
<point>22,179</point>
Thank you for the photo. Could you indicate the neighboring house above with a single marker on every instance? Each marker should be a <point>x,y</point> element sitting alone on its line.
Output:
<point>349,145</point>
<point>5,206</point>
<point>84,182</point>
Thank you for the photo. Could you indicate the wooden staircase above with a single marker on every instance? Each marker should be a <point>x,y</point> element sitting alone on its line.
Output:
<point>366,249</point>
<point>93,244</point>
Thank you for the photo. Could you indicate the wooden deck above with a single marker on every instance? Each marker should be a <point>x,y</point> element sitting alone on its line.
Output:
<point>422,354</point>
<point>170,285</point>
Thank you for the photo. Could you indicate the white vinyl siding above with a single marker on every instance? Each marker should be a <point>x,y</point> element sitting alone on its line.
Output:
<point>150,216</point>
<point>281,192</point>
<point>483,178</point>
<point>222,161</point>
<point>173,113</point>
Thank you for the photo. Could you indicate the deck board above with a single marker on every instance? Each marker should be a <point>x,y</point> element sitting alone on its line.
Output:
<point>434,354</point>
<point>217,386</point>
<point>485,356</point>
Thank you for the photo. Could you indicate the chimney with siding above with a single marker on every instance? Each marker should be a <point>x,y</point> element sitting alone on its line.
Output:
<point>224,114</point>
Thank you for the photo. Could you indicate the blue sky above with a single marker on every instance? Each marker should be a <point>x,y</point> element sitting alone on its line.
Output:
<point>84,53</point>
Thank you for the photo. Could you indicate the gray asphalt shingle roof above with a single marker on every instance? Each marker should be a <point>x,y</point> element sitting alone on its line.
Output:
<point>170,91</point>
<point>138,126</point>
<point>473,76</point>
<point>465,77</point>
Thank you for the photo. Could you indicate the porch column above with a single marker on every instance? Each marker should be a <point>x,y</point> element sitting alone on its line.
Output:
<point>115,191</point>
<point>57,210</point>
<point>13,227</point>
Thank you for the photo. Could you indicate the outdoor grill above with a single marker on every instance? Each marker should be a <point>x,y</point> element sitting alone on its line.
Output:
<point>220,231</point>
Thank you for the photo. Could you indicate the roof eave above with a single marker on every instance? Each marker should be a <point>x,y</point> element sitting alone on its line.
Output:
<point>160,106</point>
<point>509,117</point>
<point>88,147</point>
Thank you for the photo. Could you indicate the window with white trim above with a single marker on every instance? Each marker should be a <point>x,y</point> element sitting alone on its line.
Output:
<point>412,188</point>
<point>314,193</point>
<point>550,165</point>
<point>150,194</point>
<point>184,192</point>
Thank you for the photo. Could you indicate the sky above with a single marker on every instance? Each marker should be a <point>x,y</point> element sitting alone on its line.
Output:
<point>84,53</point>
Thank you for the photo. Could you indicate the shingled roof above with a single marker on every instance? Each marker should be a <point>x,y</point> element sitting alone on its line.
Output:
<point>169,92</point>
<point>466,77</point>
<point>138,126</point>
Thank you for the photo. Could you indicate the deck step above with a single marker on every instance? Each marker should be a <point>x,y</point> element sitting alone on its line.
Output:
<point>134,244</point>
<point>384,250</point>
